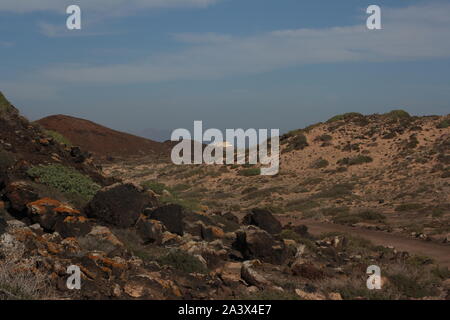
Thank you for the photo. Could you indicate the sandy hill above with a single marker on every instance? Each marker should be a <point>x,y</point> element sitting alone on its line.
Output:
<point>386,171</point>
<point>100,140</point>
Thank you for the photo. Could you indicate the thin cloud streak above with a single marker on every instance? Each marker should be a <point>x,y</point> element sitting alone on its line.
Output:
<point>405,35</point>
<point>98,6</point>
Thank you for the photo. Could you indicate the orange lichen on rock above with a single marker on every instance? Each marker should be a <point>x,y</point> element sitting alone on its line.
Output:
<point>74,219</point>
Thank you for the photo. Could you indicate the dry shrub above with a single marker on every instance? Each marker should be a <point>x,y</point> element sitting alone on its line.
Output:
<point>18,278</point>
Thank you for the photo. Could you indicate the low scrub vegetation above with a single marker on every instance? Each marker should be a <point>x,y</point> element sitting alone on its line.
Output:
<point>408,207</point>
<point>320,163</point>
<point>301,205</point>
<point>66,180</point>
<point>17,282</point>
<point>6,159</point>
<point>398,114</point>
<point>156,187</point>
<point>355,160</point>
<point>250,172</point>
<point>183,261</point>
<point>336,191</point>
<point>5,106</point>
<point>362,216</point>
<point>444,124</point>
<point>56,136</point>
<point>344,116</point>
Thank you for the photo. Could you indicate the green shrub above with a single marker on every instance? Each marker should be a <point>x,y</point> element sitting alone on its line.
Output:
<point>250,172</point>
<point>189,204</point>
<point>398,114</point>
<point>347,218</point>
<point>311,181</point>
<point>58,137</point>
<point>410,286</point>
<point>154,186</point>
<point>301,205</point>
<point>412,143</point>
<point>66,180</point>
<point>183,261</point>
<point>332,211</point>
<point>365,215</point>
<point>442,273</point>
<point>324,138</point>
<point>6,159</point>
<point>5,106</point>
<point>355,160</point>
<point>371,215</point>
<point>337,190</point>
<point>320,163</point>
<point>298,142</point>
<point>444,124</point>
<point>408,207</point>
<point>344,116</point>
<point>180,187</point>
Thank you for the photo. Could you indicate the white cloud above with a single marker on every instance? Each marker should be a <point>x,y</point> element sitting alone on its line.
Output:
<point>23,6</point>
<point>6,44</point>
<point>29,89</point>
<point>406,35</point>
<point>60,30</point>
<point>198,38</point>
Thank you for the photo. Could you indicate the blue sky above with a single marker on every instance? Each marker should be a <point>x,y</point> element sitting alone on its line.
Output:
<point>283,64</point>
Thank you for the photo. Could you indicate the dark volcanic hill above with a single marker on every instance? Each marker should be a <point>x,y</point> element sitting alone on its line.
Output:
<point>101,140</point>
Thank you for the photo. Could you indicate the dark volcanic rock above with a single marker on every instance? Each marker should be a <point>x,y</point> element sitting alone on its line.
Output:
<point>255,243</point>
<point>171,216</point>
<point>119,205</point>
<point>3,225</point>
<point>49,213</point>
<point>73,226</point>
<point>19,194</point>
<point>264,219</point>
<point>231,217</point>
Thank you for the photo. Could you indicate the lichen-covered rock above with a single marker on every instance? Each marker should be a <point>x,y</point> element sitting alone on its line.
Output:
<point>49,213</point>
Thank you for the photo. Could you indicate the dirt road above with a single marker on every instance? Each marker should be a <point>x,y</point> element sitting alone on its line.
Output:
<point>438,252</point>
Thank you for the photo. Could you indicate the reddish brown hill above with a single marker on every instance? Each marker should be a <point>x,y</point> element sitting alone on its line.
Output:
<point>100,140</point>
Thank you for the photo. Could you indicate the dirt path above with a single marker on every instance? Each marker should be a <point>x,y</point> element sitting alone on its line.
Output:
<point>438,252</point>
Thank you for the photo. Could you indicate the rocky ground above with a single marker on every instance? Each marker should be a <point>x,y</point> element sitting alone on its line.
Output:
<point>140,230</point>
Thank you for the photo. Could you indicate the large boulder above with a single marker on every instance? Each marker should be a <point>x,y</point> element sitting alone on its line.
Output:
<point>48,213</point>
<point>19,194</point>
<point>264,219</point>
<point>172,216</point>
<point>254,243</point>
<point>119,205</point>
